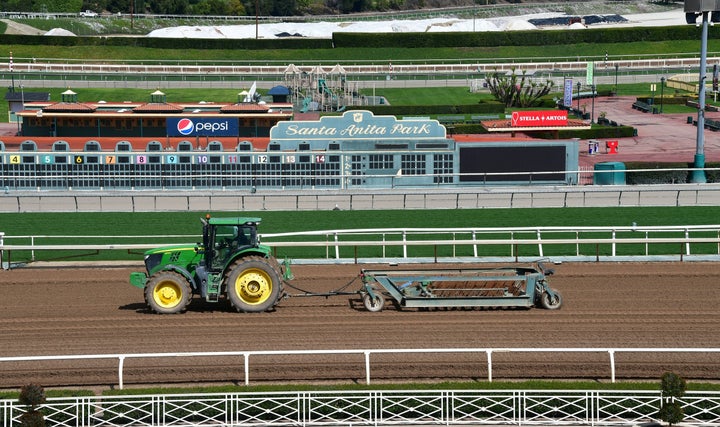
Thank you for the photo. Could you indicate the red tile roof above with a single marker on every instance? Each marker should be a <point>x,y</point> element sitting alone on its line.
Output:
<point>245,107</point>
<point>69,107</point>
<point>154,107</point>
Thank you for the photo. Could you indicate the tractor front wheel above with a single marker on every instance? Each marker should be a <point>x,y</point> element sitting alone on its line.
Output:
<point>167,292</point>
<point>254,284</point>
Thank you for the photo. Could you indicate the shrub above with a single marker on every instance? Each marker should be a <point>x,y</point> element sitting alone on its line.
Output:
<point>32,396</point>
<point>673,388</point>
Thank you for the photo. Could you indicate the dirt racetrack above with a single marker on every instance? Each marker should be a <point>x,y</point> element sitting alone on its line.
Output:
<point>63,311</point>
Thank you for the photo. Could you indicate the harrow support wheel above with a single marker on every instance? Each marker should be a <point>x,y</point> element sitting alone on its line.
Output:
<point>254,284</point>
<point>549,302</point>
<point>373,304</point>
<point>168,292</point>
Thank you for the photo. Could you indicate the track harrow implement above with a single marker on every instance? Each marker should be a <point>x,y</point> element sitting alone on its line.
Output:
<point>438,288</point>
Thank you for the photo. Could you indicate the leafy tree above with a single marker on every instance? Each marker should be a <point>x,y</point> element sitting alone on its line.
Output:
<point>517,91</point>
<point>126,6</point>
<point>349,6</point>
<point>61,6</point>
<point>283,8</point>
<point>264,7</point>
<point>170,7</point>
<point>673,388</point>
<point>236,8</point>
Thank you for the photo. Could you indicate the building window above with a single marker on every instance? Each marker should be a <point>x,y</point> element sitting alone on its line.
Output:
<point>413,164</point>
<point>381,161</point>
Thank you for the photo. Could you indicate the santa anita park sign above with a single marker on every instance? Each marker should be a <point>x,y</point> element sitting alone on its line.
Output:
<point>358,125</point>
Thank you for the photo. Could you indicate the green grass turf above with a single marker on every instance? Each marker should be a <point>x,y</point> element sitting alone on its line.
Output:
<point>117,225</point>
<point>574,52</point>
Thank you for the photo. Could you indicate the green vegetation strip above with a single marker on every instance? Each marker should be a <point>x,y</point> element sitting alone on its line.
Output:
<point>472,385</point>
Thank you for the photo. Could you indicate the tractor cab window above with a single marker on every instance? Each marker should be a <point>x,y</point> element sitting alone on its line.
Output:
<point>229,239</point>
<point>246,236</point>
<point>225,236</point>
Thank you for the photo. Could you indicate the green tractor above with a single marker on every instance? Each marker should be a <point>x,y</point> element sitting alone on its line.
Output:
<point>230,260</point>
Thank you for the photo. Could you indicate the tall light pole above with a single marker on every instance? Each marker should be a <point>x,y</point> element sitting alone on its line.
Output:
<point>616,76</point>
<point>662,89</point>
<point>12,75</point>
<point>592,117</point>
<point>708,10</point>
<point>578,97</point>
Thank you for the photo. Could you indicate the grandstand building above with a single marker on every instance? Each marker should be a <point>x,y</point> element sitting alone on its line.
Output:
<point>157,118</point>
<point>251,146</point>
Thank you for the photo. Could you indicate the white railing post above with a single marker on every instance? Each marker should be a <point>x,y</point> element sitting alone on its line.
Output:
<point>577,244</point>
<point>337,248</point>
<point>367,367</point>
<point>404,239</point>
<point>246,358</point>
<point>383,246</point>
<point>612,365</point>
<point>613,242</point>
<point>121,362</point>
<point>475,253</point>
<point>489,364</point>
<point>687,244</point>
<point>512,244</point>
<point>540,246</point>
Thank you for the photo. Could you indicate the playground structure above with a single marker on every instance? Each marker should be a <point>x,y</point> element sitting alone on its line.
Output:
<point>320,90</point>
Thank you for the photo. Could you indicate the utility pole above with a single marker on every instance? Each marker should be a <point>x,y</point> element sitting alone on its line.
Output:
<point>708,10</point>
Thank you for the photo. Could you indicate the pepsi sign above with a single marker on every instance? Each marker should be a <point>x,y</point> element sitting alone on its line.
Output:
<point>202,126</point>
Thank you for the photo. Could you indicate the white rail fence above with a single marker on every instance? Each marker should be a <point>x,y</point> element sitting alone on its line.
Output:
<point>371,408</point>
<point>502,244</point>
<point>357,68</point>
<point>487,353</point>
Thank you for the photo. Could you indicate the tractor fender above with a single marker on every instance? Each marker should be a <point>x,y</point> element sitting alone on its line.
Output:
<point>244,254</point>
<point>183,272</point>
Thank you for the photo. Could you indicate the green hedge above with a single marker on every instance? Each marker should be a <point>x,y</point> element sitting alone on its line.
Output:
<point>470,129</point>
<point>596,132</point>
<point>664,176</point>
<point>432,110</point>
<point>667,99</point>
<point>169,43</point>
<point>520,38</point>
<point>599,132</point>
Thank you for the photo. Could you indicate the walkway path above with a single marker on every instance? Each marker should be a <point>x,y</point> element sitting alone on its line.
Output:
<point>661,137</point>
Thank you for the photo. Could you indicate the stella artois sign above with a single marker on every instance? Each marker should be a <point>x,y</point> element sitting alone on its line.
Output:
<point>540,118</point>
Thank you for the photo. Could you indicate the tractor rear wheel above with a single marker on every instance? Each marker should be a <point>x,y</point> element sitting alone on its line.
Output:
<point>254,284</point>
<point>167,292</point>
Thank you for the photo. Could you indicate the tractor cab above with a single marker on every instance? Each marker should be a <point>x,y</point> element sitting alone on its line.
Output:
<point>225,237</point>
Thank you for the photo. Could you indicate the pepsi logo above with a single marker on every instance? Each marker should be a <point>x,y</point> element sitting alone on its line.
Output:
<point>185,126</point>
